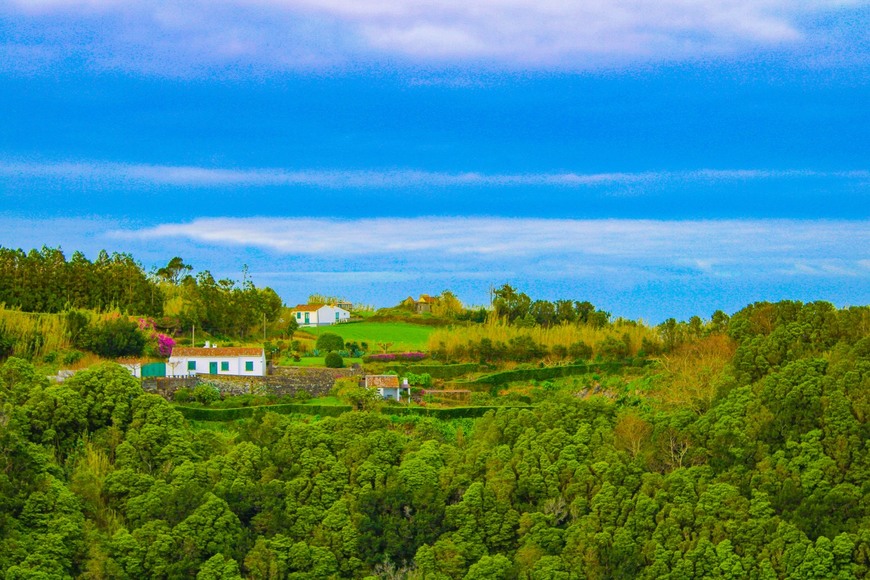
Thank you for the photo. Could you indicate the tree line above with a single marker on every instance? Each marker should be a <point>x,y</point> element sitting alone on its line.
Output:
<point>46,281</point>
<point>518,308</point>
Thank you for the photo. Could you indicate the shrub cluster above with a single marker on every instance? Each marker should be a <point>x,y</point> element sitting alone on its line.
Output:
<point>421,380</point>
<point>333,360</point>
<point>113,339</point>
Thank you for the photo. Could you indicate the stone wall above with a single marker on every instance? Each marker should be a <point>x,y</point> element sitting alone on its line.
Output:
<point>285,381</point>
<point>166,387</point>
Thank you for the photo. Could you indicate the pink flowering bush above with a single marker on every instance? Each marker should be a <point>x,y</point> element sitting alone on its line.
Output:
<point>164,344</point>
<point>164,341</point>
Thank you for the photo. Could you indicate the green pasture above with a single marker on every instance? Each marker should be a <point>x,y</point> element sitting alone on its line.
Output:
<point>405,337</point>
<point>315,361</point>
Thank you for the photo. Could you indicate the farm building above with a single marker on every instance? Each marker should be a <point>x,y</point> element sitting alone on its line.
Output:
<point>388,386</point>
<point>319,314</point>
<point>423,305</point>
<point>241,361</point>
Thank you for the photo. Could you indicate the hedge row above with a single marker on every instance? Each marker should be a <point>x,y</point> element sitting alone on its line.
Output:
<point>204,414</point>
<point>201,414</point>
<point>436,371</point>
<point>542,374</point>
<point>394,356</point>
<point>449,413</point>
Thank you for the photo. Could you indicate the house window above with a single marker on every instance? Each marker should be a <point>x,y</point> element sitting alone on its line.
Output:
<point>336,316</point>
<point>225,365</point>
<point>191,365</point>
<point>249,366</point>
<point>298,315</point>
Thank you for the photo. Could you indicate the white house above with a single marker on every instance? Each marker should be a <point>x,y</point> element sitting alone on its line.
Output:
<point>319,314</point>
<point>240,361</point>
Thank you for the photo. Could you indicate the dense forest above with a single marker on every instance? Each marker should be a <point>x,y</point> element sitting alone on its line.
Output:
<point>45,281</point>
<point>765,474</point>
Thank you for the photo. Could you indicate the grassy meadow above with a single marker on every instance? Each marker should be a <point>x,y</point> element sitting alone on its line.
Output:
<point>404,336</point>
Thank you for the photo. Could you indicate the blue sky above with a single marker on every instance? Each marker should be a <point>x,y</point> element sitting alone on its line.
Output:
<point>660,158</point>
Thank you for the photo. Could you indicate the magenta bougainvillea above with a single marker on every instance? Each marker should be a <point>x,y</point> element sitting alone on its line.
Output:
<point>164,344</point>
<point>164,341</point>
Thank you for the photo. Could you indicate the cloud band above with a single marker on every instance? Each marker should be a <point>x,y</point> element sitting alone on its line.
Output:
<point>200,177</point>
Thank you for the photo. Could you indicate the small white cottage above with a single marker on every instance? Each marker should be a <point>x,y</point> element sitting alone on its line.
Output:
<point>319,314</point>
<point>240,361</point>
<point>388,386</point>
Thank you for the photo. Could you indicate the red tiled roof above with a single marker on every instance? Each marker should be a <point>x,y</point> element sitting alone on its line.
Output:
<point>220,351</point>
<point>380,381</point>
<point>307,308</point>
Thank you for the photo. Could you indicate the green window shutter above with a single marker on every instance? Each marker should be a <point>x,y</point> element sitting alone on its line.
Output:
<point>225,366</point>
<point>191,365</point>
<point>249,366</point>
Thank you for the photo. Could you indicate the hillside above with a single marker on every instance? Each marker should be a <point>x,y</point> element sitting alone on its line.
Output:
<point>739,452</point>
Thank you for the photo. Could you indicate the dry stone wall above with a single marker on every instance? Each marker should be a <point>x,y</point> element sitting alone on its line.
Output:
<point>285,381</point>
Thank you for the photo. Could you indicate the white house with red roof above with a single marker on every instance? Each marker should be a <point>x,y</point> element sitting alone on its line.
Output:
<point>388,386</point>
<point>319,314</point>
<point>214,360</point>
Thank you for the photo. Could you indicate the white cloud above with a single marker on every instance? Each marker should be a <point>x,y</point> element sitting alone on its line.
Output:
<point>647,268</point>
<point>305,33</point>
<point>190,176</point>
<point>725,247</point>
<point>376,276</point>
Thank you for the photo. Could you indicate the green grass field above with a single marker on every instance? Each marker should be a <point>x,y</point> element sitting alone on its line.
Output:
<point>405,337</point>
<point>315,361</point>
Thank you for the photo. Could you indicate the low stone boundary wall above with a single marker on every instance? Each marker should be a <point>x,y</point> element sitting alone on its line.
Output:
<point>166,386</point>
<point>285,381</point>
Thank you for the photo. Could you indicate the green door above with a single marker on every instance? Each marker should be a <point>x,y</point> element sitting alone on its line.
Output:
<point>157,369</point>
<point>212,368</point>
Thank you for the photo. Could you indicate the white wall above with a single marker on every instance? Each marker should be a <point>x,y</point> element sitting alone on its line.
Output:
<point>177,366</point>
<point>323,316</point>
<point>134,368</point>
